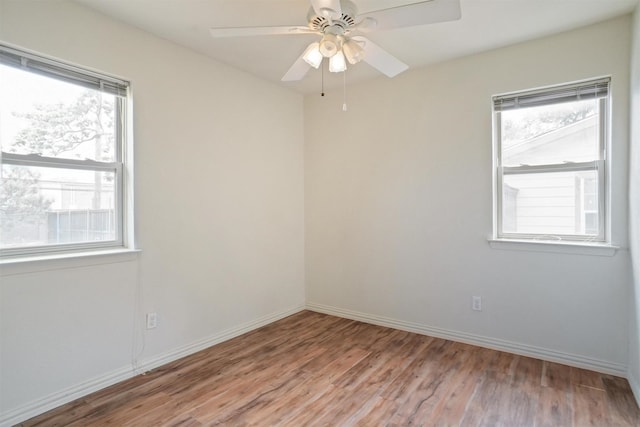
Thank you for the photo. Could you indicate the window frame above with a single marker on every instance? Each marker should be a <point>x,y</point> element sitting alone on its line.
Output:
<point>545,96</point>
<point>34,63</point>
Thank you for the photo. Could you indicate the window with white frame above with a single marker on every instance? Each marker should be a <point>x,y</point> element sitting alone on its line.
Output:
<point>550,162</point>
<point>62,170</point>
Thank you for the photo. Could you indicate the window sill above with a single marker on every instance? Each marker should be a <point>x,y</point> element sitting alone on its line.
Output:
<point>36,263</point>
<point>578,248</point>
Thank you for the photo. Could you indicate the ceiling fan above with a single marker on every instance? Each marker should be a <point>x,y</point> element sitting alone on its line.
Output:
<point>341,29</point>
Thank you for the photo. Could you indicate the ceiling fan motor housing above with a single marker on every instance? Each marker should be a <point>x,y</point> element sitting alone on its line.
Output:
<point>346,20</point>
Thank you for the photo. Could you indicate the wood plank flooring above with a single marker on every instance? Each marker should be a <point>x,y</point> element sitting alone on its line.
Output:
<point>318,370</point>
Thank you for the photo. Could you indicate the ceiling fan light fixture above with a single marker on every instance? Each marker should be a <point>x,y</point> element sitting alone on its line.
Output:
<point>330,45</point>
<point>312,55</point>
<point>337,64</point>
<point>340,31</point>
<point>353,51</point>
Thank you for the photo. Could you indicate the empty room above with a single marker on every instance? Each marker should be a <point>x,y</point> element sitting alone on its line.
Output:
<point>319,212</point>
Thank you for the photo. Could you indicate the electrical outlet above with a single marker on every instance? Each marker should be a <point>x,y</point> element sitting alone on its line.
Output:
<point>476,303</point>
<point>152,320</point>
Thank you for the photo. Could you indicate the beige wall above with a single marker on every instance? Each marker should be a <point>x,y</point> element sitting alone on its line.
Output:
<point>398,201</point>
<point>394,197</point>
<point>219,210</point>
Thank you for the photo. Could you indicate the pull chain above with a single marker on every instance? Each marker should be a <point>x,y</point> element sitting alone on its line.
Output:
<point>322,74</point>
<point>344,90</point>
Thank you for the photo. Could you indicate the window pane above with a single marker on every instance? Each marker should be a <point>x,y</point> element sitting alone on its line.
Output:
<point>54,118</point>
<point>555,203</point>
<point>551,134</point>
<point>48,206</point>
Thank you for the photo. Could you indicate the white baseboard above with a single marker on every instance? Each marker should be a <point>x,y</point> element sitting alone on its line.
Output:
<point>163,359</point>
<point>481,341</point>
<point>54,400</point>
<point>67,395</point>
<point>635,386</point>
<point>61,397</point>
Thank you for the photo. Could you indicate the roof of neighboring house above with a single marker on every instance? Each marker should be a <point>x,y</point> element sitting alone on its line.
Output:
<point>573,143</point>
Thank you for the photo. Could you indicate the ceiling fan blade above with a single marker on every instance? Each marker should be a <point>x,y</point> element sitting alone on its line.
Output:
<point>420,13</point>
<point>259,31</point>
<point>328,8</point>
<point>380,59</point>
<point>297,71</point>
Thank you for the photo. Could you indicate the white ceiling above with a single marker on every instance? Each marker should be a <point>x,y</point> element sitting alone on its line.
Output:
<point>485,24</point>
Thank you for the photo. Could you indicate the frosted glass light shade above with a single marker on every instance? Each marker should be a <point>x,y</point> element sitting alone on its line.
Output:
<point>353,52</point>
<point>312,55</point>
<point>329,45</point>
<point>337,64</point>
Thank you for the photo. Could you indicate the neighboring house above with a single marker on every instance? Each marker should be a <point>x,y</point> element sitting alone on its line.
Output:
<point>570,207</point>
<point>78,213</point>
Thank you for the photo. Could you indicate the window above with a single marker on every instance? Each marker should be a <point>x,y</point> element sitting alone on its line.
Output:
<point>550,164</point>
<point>62,171</point>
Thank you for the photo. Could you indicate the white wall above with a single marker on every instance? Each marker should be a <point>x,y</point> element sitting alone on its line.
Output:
<point>398,210</point>
<point>634,211</point>
<point>219,210</point>
<point>398,202</point>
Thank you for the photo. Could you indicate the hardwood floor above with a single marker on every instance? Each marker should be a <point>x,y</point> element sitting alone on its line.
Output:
<point>314,369</point>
